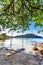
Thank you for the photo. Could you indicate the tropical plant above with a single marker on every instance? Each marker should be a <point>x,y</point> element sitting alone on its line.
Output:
<point>18,14</point>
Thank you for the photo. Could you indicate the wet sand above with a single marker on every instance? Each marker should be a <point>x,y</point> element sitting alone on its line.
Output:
<point>19,58</point>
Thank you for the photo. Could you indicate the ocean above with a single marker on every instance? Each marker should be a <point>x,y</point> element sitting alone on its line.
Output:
<point>17,43</point>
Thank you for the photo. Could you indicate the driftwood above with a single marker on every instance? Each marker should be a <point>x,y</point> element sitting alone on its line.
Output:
<point>14,52</point>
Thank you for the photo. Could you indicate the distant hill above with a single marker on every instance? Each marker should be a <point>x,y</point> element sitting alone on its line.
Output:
<point>28,36</point>
<point>4,36</point>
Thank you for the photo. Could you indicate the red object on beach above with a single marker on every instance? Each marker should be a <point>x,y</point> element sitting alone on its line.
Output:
<point>35,49</point>
<point>40,52</point>
<point>40,46</point>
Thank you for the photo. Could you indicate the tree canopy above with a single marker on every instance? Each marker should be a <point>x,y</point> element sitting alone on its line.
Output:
<point>18,14</point>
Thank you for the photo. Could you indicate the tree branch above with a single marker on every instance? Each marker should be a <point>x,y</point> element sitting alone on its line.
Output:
<point>34,7</point>
<point>3,14</point>
<point>9,5</point>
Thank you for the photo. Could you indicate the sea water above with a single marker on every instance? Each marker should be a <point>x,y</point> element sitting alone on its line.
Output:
<point>17,43</point>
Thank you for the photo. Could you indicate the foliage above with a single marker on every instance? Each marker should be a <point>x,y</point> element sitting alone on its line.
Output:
<point>18,14</point>
<point>40,31</point>
<point>3,36</point>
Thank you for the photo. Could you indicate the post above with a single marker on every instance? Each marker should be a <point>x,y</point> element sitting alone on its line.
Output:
<point>11,40</point>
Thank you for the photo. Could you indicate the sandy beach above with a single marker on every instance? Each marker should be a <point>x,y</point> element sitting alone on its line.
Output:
<point>20,58</point>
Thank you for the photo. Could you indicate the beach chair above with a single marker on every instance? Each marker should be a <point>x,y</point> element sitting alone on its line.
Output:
<point>14,52</point>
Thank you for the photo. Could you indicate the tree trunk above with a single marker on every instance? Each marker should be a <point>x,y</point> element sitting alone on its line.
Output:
<point>22,40</point>
<point>11,40</point>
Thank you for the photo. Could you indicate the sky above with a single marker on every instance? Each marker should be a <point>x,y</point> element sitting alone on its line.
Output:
<point>31,30</point>
<point>35,30</point>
